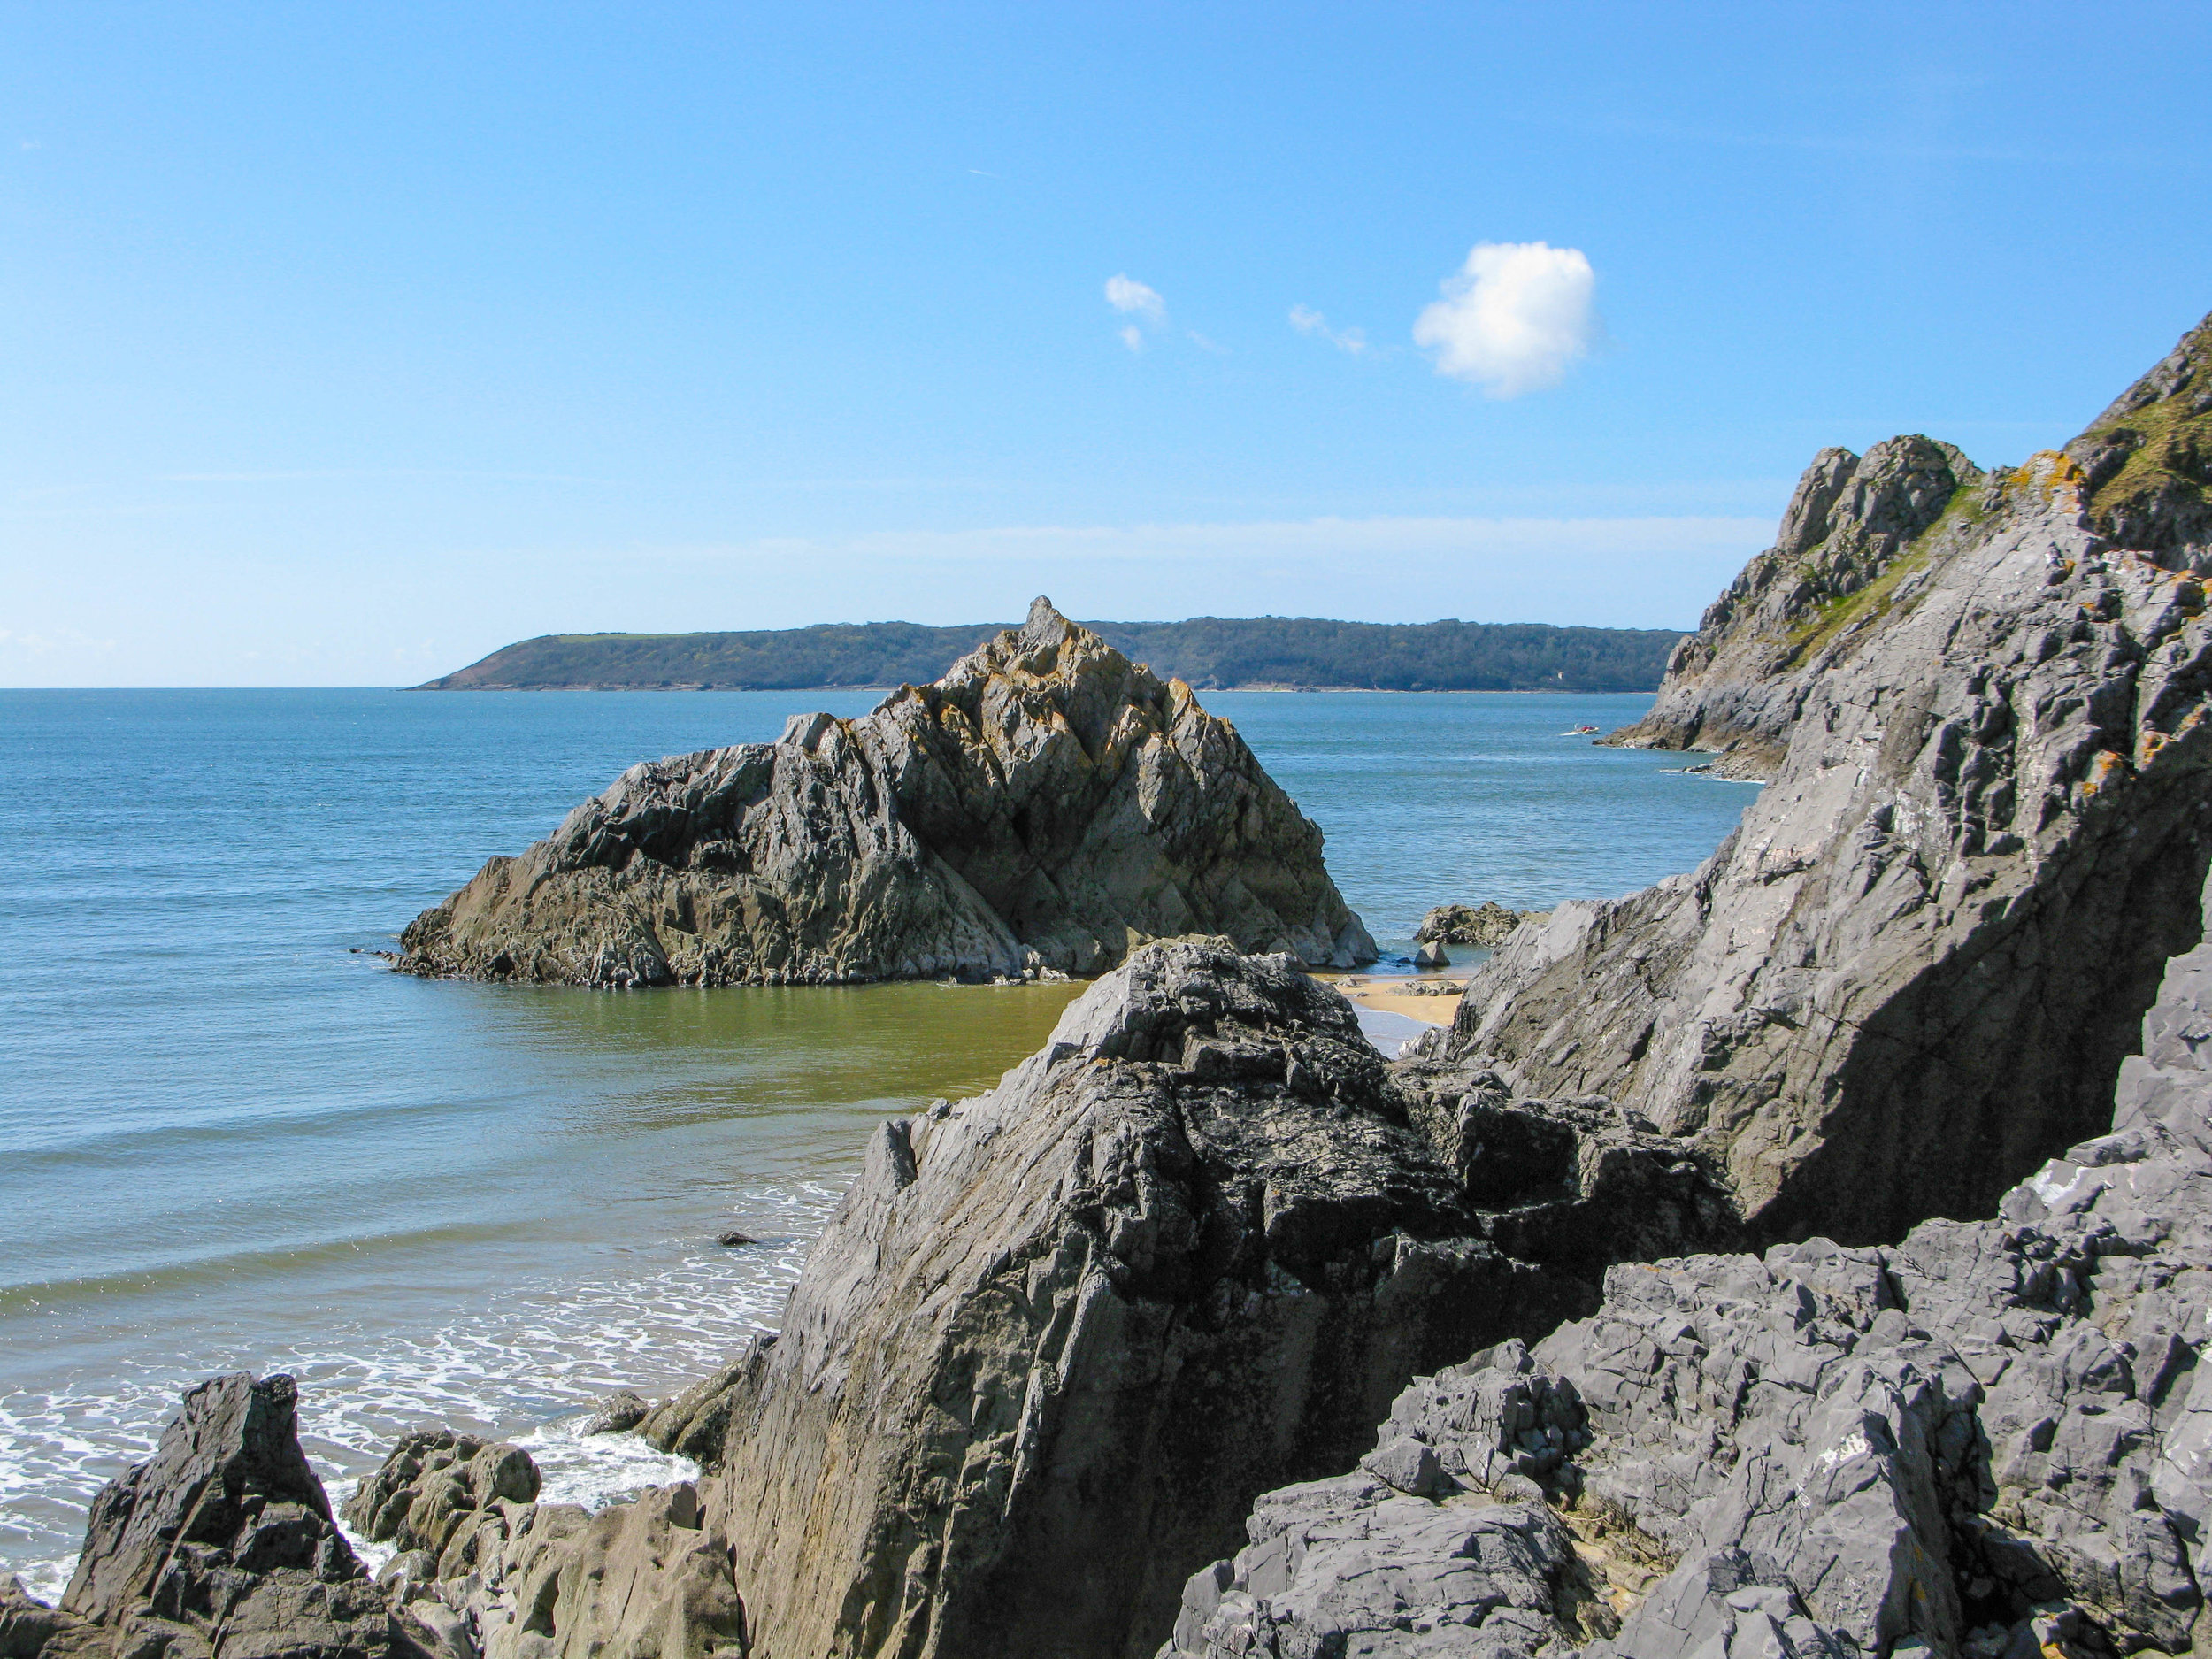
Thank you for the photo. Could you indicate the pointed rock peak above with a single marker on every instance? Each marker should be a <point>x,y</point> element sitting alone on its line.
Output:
<point>1046,626</point>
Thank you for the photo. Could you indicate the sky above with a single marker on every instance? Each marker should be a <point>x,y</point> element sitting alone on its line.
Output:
<point>343,345</point>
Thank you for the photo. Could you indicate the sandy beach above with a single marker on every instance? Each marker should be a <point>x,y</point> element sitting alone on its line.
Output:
<point>1396,996</point>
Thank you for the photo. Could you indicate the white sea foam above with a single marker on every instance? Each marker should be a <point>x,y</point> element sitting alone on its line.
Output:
<point>527,1366</point>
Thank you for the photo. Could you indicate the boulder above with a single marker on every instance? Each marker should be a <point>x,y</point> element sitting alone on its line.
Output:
<point>1992,1439</point>
<point>220,1544</point>
<point>1053,1341</point>
<point>1487,923</point>
<point>616,1412</point>
<point>1432,955</point>
<point>1040,810</point>
<point>1989,751</point>
<point>434,1487</point>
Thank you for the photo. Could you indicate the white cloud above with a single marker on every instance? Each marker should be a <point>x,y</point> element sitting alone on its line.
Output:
<point>1133,299</point>
<point>1516,317</point>
<point>1307,320</point>
<point>1133,337</point>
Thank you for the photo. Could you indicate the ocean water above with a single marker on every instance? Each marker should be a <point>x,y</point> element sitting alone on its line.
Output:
<point>230,1138</point>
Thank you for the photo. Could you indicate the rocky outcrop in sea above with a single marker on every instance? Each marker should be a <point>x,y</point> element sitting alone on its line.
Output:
<point>1910,975</point>
<point>1046,806</point>
<point>1487,924</point>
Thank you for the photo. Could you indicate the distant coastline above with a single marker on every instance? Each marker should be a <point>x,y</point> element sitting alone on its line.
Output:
<point>1288,654</point>
<point>1394,691</point>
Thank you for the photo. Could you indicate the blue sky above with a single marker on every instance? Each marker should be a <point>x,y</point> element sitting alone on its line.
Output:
<point>342,345</point>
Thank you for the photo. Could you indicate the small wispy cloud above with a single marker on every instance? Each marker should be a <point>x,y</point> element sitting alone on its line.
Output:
<point>1134,299</point>
<point>1308,321</point>
<point>1124,294</point>
<point>1515,318</point>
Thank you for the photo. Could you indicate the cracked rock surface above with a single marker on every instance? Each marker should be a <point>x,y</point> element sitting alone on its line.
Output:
<point>1874,1003</point>
<point>1056,1339</point>
<point>220,1544</point>
<point>1046,805</point>
<point>1991,1440</point>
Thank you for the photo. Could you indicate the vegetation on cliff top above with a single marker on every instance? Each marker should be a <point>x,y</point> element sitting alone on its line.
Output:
<point>1208,652</point>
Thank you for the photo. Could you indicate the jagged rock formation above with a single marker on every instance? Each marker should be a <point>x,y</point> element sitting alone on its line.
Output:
<point>2149,459</point>
<point>1048,803</point>
<point>221,1544</point>
<point>1992,1441</point>
<point>434,1486</point>
<point>1055,1337</point>
<point>1910,974</point>
<point>1487,923</point>
<point>484,1572</point>
<point>1857,529</point>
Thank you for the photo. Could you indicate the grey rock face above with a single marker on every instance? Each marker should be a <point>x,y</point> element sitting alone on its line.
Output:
<point>1044,806</point>
<point>1874,1004</point>
<point>433,1486</point>
<point>1055,1340</point>
<point>1487,923</point>
<point>1987,1438</point>
<point>2149,459</point>
<point>220,1544</point>
<point>520,1580</point>
<point>620,1410</point>
<point>1739,684</point>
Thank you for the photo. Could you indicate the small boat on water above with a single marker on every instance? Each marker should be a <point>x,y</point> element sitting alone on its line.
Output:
<point>1578,731</point>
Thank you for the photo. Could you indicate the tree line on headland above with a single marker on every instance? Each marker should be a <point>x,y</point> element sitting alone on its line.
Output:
<point>1210,653</point>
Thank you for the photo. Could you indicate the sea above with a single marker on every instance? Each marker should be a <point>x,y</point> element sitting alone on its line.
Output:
<point>231,1139</point>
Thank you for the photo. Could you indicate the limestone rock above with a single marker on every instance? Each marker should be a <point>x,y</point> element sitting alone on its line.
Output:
<point>1044,807</point>
<point>1053,1342</point>
<point>616,1412</point>
<point>694,1423</point>
<point>1432,955</point>
<point>1855,527</point>
<point>221,1544</point>
<point>1910,974</point>
<point>1989,1440</point>
<point>2149,459</point>
<point>1487,924</point>
<point>647,1577</point>
<point>436,1485</point>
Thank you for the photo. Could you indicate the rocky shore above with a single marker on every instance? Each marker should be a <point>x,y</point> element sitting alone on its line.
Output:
<point>1809,1255</point>
<point>1044,808</point>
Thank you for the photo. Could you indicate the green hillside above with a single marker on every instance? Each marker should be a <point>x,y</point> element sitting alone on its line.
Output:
<point>1209,652</point>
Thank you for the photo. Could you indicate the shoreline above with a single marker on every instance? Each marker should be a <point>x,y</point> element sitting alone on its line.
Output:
<point>1379,995</point>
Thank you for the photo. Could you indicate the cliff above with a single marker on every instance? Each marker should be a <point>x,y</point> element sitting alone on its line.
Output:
<point>1911,974</point>
<point>1057,1338</point>
<point>1991,1440</point>
<point>1046,804</point>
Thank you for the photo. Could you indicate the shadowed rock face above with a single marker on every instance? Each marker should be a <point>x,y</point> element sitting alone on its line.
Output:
<point>1911,974</point>
<point>1048,803</point>
<point>1057,1338</point>
<point>1993,1439</point>
<point>220,1544</point>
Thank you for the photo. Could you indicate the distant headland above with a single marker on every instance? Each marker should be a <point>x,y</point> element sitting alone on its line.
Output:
<point>1207,653</point>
